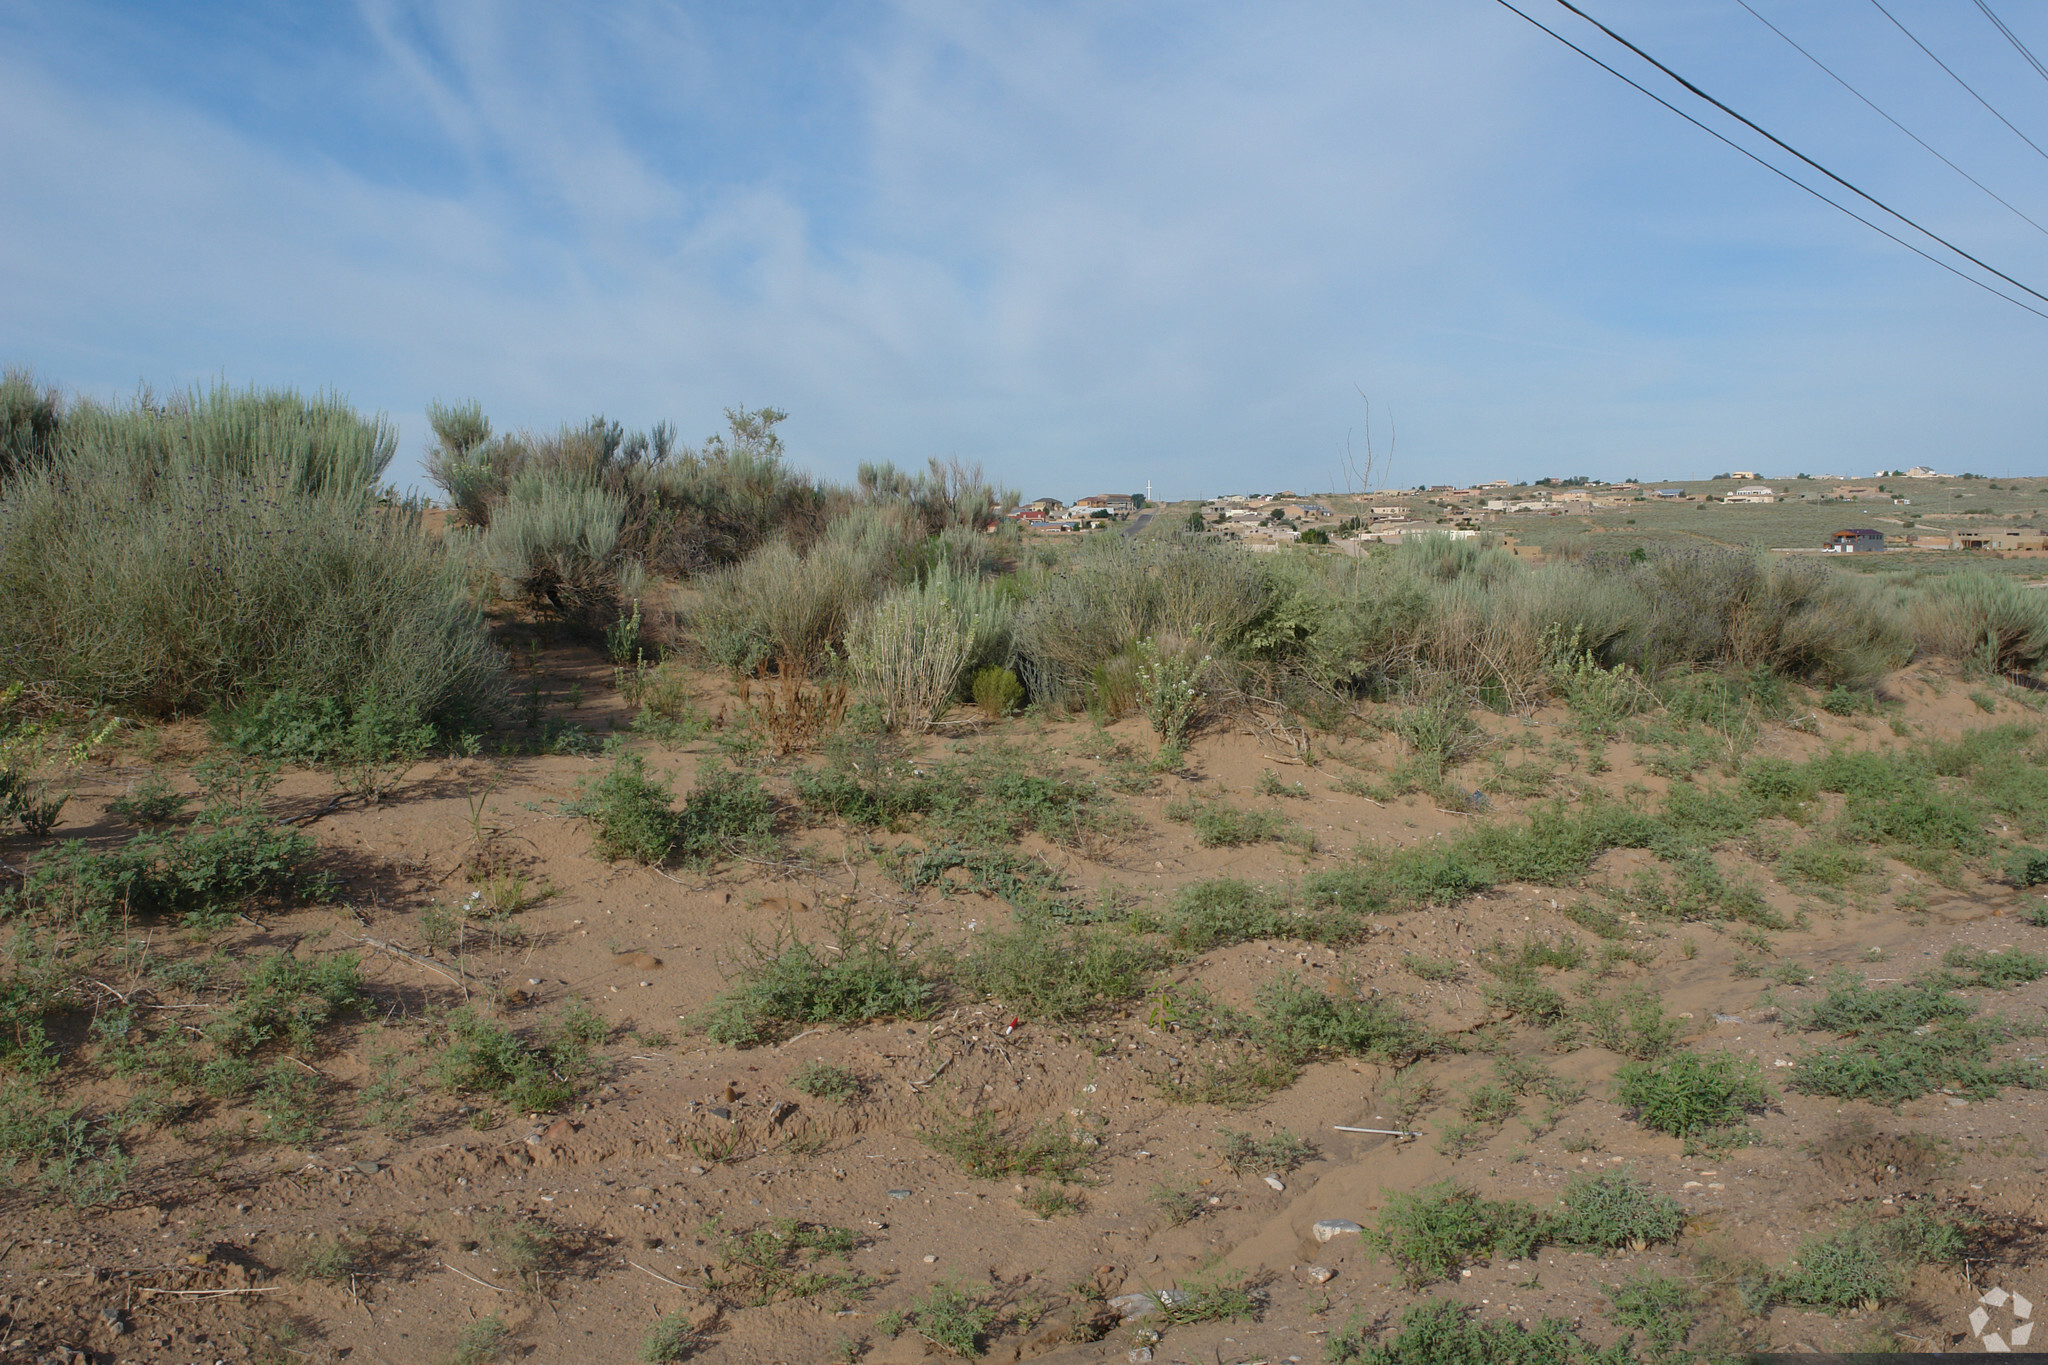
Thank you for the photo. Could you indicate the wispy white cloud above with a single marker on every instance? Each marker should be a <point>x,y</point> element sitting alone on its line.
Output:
<point>1085,244</point>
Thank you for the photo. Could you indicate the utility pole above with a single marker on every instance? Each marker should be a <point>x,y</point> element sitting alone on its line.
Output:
<point>1148,490</point>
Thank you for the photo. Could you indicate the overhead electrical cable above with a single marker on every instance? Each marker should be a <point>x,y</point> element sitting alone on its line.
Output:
<point>2014,39</point>
<point>1888,118</point>
<point>1758,128</point>
<point>1780,172</point>
<point>1958,79</point>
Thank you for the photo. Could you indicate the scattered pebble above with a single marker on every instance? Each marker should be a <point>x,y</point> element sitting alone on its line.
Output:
<point>1274,1181</point>
<point>899,1194</point>
<point>931,1260</point>
<point>1320,1274</point>
<point>1336,1227</point>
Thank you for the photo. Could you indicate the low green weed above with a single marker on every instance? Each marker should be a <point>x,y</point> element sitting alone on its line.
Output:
<point>1661,1307</point>
<point>151,802</point>
<point>483,1341</point>
<point>1216,1295</point>
<point>70,1155</point>
<point>1861,1266</point>
<point>824,1081</point>
<point>1218,824</point>
<point>984,1148</point>
<point>1690,1095</point>
<point>1447,1332</point>
<point>1430,1232</point>
<point>1974,967</point>
<point>1300,1022</point>
<point>787,1259</point>
<point>1179,1203</point>
<point>1223,910</point>
<point>1233,1080</point>
<point>789,982</point>
<point>483,1057</point>
<point>672,1339</point>
<point>1612,1210</point>
<point>1631,1022</point>
<point>1049,1201</point>
<point>2027,867</point>
<point>633,816</point>
<point>952,1317</point>
<point>200,875</point>
<point>1277,1153</point>
<point>1025,880</point>
<point>1052,973</point>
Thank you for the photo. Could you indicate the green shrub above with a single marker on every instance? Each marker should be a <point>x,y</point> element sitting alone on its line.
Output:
<point>1982,618</point>
<point>176,556</point>
<point>1430,1232</point>
<point>1118,591</point>
<point>553,545</point>
<point>791,607</point>
<point>1611,1210</point>
<point>997,691</point>
<point>1167,690</point>
<point>1052,974</point>
<point>789,982</point>
<point>1440,733</point>
<point>1690,1095</point>
<point>31,420</point>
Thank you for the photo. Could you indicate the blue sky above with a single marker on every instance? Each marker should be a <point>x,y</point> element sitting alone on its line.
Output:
<point>1087,244</point>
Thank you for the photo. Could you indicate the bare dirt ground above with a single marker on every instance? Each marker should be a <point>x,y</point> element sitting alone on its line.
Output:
<point>578,1230</point>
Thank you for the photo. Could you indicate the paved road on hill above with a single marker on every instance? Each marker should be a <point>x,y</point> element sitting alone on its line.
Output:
<point>1138,523</point>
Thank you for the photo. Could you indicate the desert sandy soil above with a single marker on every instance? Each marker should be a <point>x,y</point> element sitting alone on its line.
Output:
<point>578,1230</point>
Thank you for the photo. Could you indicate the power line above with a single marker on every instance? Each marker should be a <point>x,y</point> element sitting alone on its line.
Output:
<point>1780,142</point>
<point>1774,170</point>
<point>1888,118</point>
<point>2014,39</point>
<point>1959,80</point>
